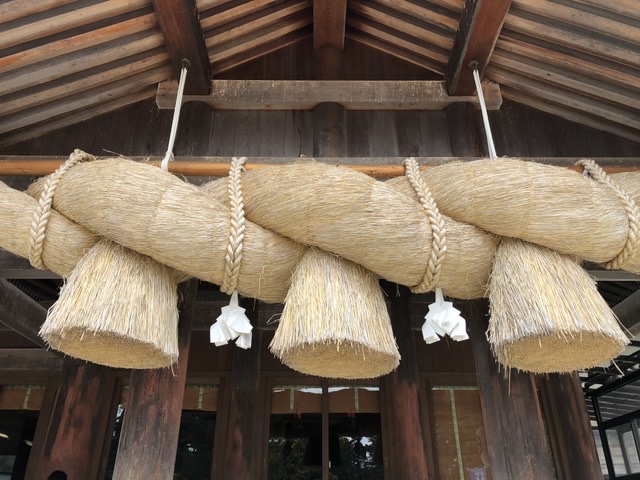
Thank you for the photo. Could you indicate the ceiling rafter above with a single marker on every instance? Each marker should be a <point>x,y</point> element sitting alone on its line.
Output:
<point>21,313</point>
<point>479,29</point>
<point>180,25</point>
<point>329,21</point>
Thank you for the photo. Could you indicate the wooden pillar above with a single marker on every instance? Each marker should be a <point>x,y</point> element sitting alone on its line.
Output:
<point>240,461</point>
<point>517,444</point>
<point>149,437</point>
<point>75,430</point>
<point>400,391</point>
<point>568,424</point>
<point>329,119</point>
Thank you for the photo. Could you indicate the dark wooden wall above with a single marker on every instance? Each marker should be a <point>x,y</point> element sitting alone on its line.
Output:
<point>143,129</point>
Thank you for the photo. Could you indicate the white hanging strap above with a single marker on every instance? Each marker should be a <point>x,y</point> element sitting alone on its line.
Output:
<point>483,107</point>
<point>168,157</point>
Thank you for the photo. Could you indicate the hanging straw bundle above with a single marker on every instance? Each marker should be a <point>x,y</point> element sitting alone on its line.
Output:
<point>335,322</point>
<point>546,313</point>
<point>117,308</point>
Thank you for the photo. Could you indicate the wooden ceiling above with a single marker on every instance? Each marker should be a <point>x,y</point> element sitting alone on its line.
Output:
<point>64,61</point>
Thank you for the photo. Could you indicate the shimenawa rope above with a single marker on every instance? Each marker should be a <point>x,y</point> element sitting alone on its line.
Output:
<point>43,209</point>
<point>233,256</point>
<point>593,170</point>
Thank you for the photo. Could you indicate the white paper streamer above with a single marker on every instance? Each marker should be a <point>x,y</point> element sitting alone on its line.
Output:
<point>443,319</point>
<point>232,324</point>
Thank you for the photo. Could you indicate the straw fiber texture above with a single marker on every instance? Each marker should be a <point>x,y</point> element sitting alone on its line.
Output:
<point>117,308</point>
<point>65,242</point>
<point>546,313</point>
<point>335,322</point>
<point>156,214</point>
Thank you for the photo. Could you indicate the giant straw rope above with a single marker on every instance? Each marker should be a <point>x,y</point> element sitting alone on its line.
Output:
<point>379,225</point>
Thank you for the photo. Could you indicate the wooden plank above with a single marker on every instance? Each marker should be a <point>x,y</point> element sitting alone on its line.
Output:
<point>77,42</point>
<point>306,94</point>
<point>559,77</point>
<point>81,61</point>
<point>577,115</point>
<point>149,436</point>
<point>22,314</point>
<point>227,46</point>
<point>401,396</point>
<point>522,22</point>
<point>583,19</point>
<point>409,26</point>
<point>240,459</point>
<point>516,440</point>
<point>77,427</point>
<point>561,96</point>
<point>231,12</point>
<point>83,100</point>
<point>49,125</point>
<point>398,39</point>
<point>477,34</point>
<point>402,53</point>
<point>329,21</point>
<point>422,11</point>
<point>263,49</point>
<point>627,8</point>
<point>628,312</point>
<point>29,360</point>
<point>14,9</point>
<point>568,421</point>
<point>180,26</point>
<point>67,21</point>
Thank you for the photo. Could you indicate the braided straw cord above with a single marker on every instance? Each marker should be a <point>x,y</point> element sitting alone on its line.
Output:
<point>43,209</point>
<point>233,257</point>
<point>593,170</point>
<point>438,230</point>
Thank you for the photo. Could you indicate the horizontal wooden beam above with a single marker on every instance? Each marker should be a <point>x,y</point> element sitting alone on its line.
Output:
<point>378,167</point>
<point>628,312</point>
<point>29,360</point>
<point>306,94</point>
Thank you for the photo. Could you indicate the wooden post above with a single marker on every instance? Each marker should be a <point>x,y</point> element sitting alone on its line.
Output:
<point>400,390</point>
<point>517,444</point>
<point>149,436</point>
<point>568,423</point>
<point>76,428</point>
<point>329,118</point>
<point>240,461</point>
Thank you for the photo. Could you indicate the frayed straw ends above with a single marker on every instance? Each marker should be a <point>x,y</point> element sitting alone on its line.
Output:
<point>335,322</point>
<point>117,308</point>
<point>546,313</point>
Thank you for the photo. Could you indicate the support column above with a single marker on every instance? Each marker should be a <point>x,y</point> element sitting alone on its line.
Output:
<point>241,448</point>
<point>149,437</point>
<point>568,421</point>
<point>400,391</point>
<point>329,119</point>
<point>76,428</point>
<point>517,444</point>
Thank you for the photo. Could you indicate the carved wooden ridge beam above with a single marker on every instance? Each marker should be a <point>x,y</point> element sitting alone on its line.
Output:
<point>478,32</point>
<point>306,94</point>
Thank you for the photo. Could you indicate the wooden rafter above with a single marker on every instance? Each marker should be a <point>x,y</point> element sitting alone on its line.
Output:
<point>21,313</point>
<point>477,34</point>
<point>329,20</point>
<point>180,25</point>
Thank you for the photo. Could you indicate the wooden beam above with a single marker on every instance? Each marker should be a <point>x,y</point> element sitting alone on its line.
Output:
<point>77,427</point>
<point>477,35</point>
<point>628,312</point>
<point>517,443</point>
<point>149,437</point>
<point>29,360</point>
<point>401,395</point>
<point>180,24</point>
<point>329,20</point>
<point>379,167</point>
<point>306,94</point>
<point>20,313</point>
